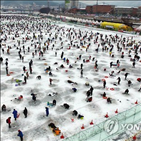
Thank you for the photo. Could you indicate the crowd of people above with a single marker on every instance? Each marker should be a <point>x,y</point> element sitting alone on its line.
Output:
<point>36,38</point>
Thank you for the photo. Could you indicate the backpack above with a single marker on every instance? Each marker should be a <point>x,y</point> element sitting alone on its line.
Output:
<point>6,120</point>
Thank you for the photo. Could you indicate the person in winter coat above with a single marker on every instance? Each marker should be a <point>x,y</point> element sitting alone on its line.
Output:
<point>119,79</point>
<point>25,79</point>
<point>50,73</point>
<point>139,79</point>
<point>20,97</point>
<point>81,72</point>
<point>112,73</point>
<point>6,63</point>
<point>54,102</point>
<point>6,70</point>
<point>111,64</point>
<point>104,83</point>
<point>50,80</point>
<point>74,113</point>
<point>104,94</point>
<point>88,93</point>
<point>126,74</point>
<point>89,99</point>
<point>67,61</point>
<point>30,69</point>
<point>109,100</point>
<point>66,106</point>
<point>91,90</point>
<point>20,134</point>
<point>1,60</point>
<point>81,66</point>
<point>126,91</point>
<point>9,121</point>
<point>129,83</point>
<point>139,89</point>
<point>24,69</point>
<point>27,75</point>
<point>62,54</point>
<point>15,114</point>
<point>74,89</point>
<point>25,112</point>
<point>33,96</point>
<point>47,111</point>
<point>3,108</point>
<point>134,64</point>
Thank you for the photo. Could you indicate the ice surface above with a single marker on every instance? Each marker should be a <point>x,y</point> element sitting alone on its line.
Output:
<point>35,126</point>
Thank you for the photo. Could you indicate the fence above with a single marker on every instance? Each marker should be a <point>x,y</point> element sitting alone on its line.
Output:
<point>110,128</point>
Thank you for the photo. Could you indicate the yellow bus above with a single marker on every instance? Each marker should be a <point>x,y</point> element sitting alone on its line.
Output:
<point>115,26</point>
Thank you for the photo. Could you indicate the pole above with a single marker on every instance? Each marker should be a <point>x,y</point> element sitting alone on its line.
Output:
<point>96,6</point>
<point>48,3</point>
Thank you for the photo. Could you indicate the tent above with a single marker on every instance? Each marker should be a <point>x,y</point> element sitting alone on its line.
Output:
<point>138,29</point>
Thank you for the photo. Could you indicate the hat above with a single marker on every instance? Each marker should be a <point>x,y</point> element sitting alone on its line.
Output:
<point>18,130</point>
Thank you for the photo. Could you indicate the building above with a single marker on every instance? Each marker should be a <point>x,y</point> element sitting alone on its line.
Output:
<point>139,12</point>
<point>100,9</point>
<point>89,9</point>
<point>125,11</point>
<point>74,3</point>
<point>76,10</point>
<point>103,9</point>
<point>73,10</point>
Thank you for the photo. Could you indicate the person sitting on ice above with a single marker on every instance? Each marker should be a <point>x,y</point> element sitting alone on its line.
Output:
<point>56,131</point>
<point>89,99</point>
<point>87,84</point>
<point>126,91</point>
<point>3,107</point>
<point>104,94</point>
<point>71,82</point>
<point>66,106</point>
<point>48,69</point>
<point>20,97</point>
<point>122,56</point>
<point>139,89</point>
<point>123,69</point>
<point>74,89</point>
<point>70,66</point>
<point>54,102</point>
<point>52,94</point>
<point>33,96</point>
<point>50,73</point>
<point>112,73</point>
<point>74,113</point>
<point>109,100</point>
<point>129,83</point>
<point>64,59</point>
<point>139,79</point>
<point>80,116</point>
<point>61,66</point>
<point>52,125</point>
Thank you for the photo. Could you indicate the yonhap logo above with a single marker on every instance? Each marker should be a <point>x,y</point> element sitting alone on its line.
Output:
<point>111,126</point>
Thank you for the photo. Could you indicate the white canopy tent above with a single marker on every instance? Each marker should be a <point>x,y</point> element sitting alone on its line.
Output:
<point>138,28</point>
